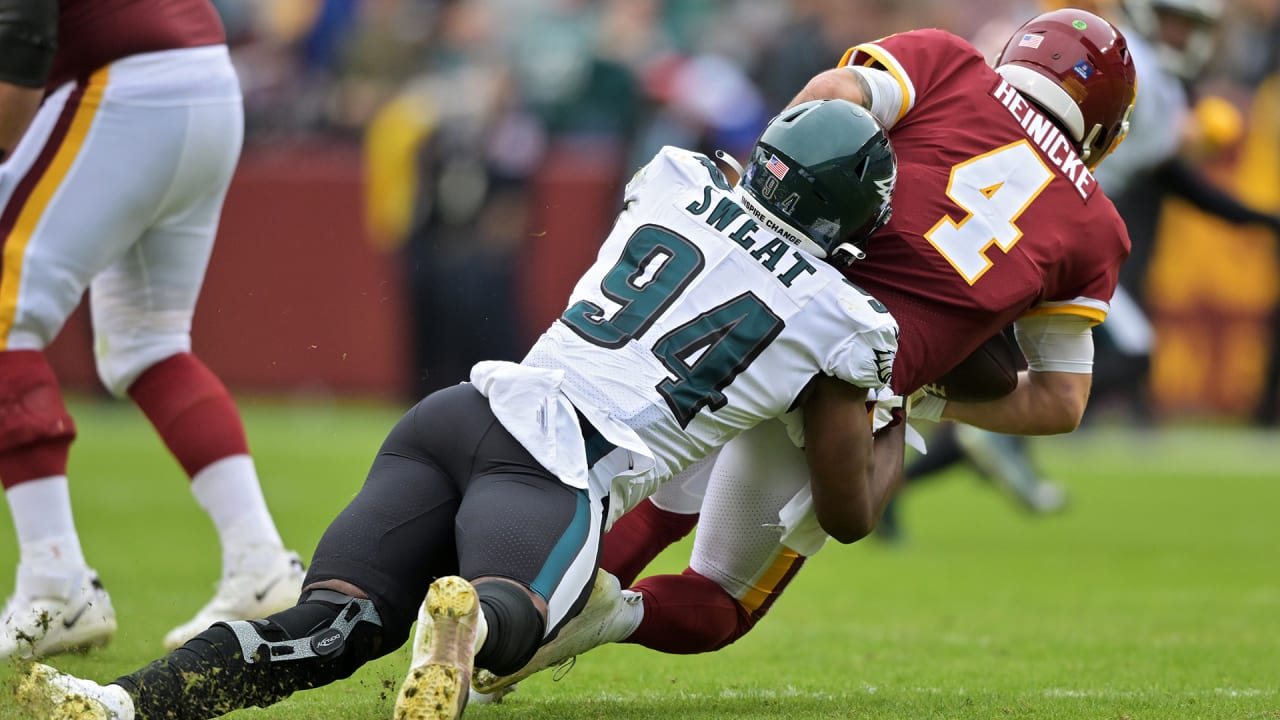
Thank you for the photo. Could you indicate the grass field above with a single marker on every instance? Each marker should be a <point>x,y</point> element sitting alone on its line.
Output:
<point>1156,596</point>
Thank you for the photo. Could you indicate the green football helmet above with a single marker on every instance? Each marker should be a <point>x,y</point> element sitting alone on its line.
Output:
<point>826,169</point>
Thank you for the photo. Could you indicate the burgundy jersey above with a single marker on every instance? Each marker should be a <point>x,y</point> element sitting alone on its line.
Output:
<point>95,33</point>
<point>994,216</point>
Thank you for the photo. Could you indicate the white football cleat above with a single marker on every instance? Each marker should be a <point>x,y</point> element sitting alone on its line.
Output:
<point>443,653</point>
<point>611,614</point>
<point>55,612</point>
<point>55,695</point>
<point>475,697</point>
<point>273,585</point>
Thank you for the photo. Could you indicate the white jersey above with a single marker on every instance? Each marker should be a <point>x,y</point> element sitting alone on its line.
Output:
<point>1160,114</point>
<point>696,322</point>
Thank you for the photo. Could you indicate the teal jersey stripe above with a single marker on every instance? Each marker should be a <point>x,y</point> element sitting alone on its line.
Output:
<point>566,549</point>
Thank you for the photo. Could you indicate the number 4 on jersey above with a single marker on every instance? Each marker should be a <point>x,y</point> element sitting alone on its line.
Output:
<point>994,189</point>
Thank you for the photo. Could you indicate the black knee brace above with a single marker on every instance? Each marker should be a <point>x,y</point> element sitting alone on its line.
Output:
<point>515,627</point>
<point>325,637</point>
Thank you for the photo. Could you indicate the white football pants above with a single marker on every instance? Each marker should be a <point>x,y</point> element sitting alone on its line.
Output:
<point>117,187</point>
<point>748,538</point>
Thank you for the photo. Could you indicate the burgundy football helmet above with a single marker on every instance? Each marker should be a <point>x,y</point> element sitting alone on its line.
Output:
<point>1077,67</point>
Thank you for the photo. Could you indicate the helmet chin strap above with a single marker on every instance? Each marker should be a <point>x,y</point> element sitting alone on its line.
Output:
<point>845,254</point>
<point>1086,147</point>
<point>1087,156</point>
<point>729,160</point>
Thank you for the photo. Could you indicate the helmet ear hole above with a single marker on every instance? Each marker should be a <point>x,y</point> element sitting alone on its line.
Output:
<point>791,117</point>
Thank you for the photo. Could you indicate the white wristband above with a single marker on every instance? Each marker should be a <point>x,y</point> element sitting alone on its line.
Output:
<point>926,407</point>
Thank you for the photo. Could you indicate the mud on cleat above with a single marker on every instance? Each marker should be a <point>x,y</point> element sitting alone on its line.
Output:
<point>436,687</point>
<point>52,613</point>
<point>48,693</point>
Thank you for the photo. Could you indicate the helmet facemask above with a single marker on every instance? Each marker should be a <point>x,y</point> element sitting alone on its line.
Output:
<point>1091,157</point>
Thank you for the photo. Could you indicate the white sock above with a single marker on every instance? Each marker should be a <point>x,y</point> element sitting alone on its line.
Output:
<point>117,699</point>
<point>482,632</point>
<point>632,613</point>
<point>42,517</point>
<point>229,491</point>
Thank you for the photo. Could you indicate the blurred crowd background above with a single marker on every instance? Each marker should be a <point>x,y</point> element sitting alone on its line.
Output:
<point>423,179</point>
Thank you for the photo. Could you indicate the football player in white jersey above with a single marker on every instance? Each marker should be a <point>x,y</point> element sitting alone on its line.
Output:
<point>710,309</point>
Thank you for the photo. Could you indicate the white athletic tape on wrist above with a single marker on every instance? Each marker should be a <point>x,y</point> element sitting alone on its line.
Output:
<point>926,407</point>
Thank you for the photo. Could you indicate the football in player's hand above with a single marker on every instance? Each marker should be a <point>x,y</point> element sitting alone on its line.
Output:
<point>989,373</point>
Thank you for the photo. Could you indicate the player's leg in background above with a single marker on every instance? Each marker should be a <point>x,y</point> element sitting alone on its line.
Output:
<point>58,603</point>
<point>1002,460</point>
<point>1268,411</point>
<point>1122,359</point>
<point>944,452</point>
<point>142,309</point>
<point>67,215</point>
<point>1005,461</point>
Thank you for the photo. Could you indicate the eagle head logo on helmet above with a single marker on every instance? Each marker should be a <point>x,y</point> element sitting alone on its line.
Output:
<point>824,171</point>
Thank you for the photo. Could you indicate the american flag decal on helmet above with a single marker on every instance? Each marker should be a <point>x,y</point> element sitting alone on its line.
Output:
<point>777,167</point>
<point>1031,40</point>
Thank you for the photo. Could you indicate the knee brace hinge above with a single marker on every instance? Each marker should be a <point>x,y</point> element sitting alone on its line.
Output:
<point>321,643</point>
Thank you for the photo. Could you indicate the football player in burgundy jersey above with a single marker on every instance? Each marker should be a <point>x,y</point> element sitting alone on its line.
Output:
<point>998,219</point>
<point>1170,42</point>
<point>120,125</point>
